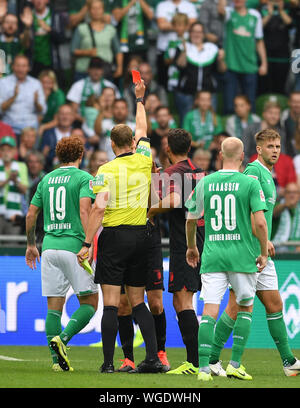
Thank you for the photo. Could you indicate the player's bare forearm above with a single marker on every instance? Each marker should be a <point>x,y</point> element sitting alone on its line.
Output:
<point>96,216</point>
<point>85,209</point>
<point>253,225</point>
<point>32,254</point>
<point>31,218</point>
<point>192,253</point>
<point>165,205</point>
<point>153,211</point>
<point>190,232</point>
<point>261,231</point>
<point>94,223</point>
<point>84,217</point>
<point>30,232</point>
<point>271,249</point>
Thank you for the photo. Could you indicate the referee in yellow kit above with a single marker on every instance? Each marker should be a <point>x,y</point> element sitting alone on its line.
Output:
<point>122,187</point>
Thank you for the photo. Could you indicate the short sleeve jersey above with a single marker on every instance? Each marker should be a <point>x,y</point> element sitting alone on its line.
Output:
<point>228,198</point>
<point>127,178</point>
<point>167,9</point>
<point>261,173</point>
<point>181,178</point>
<point>242,32</point>
<point>59,194</point>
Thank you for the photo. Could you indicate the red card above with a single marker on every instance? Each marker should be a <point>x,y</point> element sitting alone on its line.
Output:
<point>136,76</point>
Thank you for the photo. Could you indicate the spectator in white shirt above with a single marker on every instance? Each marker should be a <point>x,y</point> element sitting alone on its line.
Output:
<point>103,126</point>
<point>165,11</point>
<point>22,99</point>
<point>94,84</point>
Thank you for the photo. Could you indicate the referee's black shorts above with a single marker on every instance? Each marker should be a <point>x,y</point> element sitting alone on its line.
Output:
<point>121,256</point>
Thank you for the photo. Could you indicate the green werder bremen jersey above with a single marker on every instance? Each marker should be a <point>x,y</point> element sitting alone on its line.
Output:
<point>227,197</point>
<point>261,173</point>
<point>59,194</point>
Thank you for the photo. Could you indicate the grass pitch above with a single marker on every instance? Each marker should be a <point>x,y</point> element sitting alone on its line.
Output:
<point>30,367</point>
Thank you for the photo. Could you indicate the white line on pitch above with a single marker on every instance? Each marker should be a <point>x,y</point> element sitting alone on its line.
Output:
<point>10,358</point>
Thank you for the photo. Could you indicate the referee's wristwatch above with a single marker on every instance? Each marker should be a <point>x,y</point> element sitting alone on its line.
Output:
<point>140,100</point>
<point>86,244</point>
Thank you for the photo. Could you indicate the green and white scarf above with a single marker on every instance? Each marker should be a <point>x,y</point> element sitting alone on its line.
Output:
<point>238,128</point>
<point>203,130</point>
<point>87,91</point>
<point>38,30</point>
<point>11,205</point>
<point>137,28</point>
<point>288,227</point>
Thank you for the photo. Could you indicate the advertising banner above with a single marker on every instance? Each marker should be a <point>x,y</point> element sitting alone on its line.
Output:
<point>23,309</point>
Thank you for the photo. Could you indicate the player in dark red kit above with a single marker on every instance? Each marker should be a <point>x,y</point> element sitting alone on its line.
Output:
<point>179,181</point>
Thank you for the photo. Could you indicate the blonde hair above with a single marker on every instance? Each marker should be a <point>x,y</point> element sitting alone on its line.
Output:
<point>27,129</point>
<point>267,134</point>
<point>271,104</point>
<point>232,147</point>
<point>202,153</point>
<point>51,74</point>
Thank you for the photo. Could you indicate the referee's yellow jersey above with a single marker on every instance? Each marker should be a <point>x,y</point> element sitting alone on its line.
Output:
<point>127,178</point>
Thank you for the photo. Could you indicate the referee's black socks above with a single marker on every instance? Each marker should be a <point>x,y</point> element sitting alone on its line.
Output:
<point>189,325</point>
<point>145,320</point>
<point>109,329</point>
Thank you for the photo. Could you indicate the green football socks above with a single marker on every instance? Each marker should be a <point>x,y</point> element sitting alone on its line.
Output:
<point>223,330</point>
<point>278,332</point>
<point>53,328</point>
<point>240,336</point>
<point>205,340</point>
<point>79,319</point>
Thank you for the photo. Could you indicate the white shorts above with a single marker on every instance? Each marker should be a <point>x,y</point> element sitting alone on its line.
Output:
<point>267,279</point>
<point>60,270</point>
<point>214,286</point>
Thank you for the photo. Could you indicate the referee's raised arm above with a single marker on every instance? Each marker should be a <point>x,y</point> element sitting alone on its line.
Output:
<point>141,121</point>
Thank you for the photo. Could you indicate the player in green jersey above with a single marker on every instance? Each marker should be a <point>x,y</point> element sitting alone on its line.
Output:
<point>268,149</point>
<point>227,198</point>
<point>65,195</point>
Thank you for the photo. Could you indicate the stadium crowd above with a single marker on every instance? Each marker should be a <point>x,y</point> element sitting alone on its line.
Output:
<point>212,67</point>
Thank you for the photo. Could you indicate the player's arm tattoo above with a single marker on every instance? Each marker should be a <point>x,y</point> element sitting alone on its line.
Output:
<point>31,218</point>
<point>31,235</point>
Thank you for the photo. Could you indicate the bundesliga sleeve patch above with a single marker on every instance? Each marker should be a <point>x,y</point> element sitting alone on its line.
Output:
<point>98,181</point>
<point>144,149</point>
<point>262,196</point>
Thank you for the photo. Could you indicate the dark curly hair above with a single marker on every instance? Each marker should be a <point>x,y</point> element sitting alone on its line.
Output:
<point>69,149</point>
<point>179,141</point>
